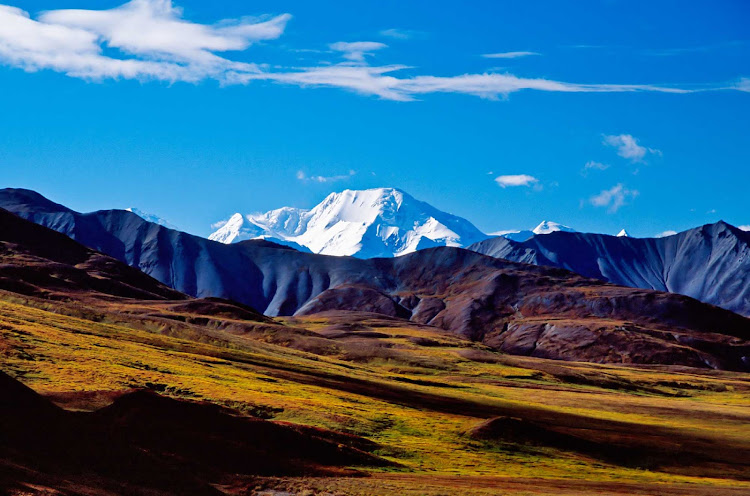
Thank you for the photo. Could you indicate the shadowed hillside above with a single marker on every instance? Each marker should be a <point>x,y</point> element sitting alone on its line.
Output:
<point>710,263</point>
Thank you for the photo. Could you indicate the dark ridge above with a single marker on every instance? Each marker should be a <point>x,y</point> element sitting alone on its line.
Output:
<point>144,442</point>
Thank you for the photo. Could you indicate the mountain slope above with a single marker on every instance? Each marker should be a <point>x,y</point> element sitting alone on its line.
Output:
<point>513,307</point>
<point>41,262</point>
<point>710,263</point>
<point>380,222</point>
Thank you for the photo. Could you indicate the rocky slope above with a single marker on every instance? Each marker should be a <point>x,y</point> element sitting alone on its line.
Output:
<point>521,309</point>
<point>710,263</point>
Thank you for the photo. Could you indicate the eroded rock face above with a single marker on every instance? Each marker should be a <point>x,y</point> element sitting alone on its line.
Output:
<point>519,308</point>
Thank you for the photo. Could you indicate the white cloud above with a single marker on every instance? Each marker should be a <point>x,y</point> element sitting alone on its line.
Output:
<point>613,198</point>
<point>356,50</point>
<point>508,55</point>
<point>744,228</point>
<point>516,180</point>
<point>628,147</point>
<point>219,224</point>
<point>323,179</point>
<point>150,39</point>
<point>153,39</point>
<point>379,81</point>
<point>666,233</point>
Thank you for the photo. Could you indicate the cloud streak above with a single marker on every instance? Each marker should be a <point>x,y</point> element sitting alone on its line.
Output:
<point>324,179</point>
<point>509,55</point>
<point>151,40</point>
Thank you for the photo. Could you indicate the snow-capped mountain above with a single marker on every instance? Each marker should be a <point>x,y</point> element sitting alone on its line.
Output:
<point>544,227</point>
<point>381,222</point>
<point>152,218</point>
<point>623,234</point>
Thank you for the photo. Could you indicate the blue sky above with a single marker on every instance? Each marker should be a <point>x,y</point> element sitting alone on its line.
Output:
<point>193,110</point>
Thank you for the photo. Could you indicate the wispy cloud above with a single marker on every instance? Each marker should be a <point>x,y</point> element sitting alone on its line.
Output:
<point>593,165</point>
<point>628,147</point>
<point>324,179</point>
<point>613,198</point>
<point>380,81</point>
<point>357,50</point>
<point>151,40</point>
<point>516,180</point>
<point>401,34</point>
<point>664,234</point>
<point>508,55</point>
<point>744,227</point>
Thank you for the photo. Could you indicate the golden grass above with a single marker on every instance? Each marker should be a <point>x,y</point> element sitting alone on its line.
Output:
<point>57,354</point>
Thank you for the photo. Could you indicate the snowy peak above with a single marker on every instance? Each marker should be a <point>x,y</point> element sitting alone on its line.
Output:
<point>381,222</point>
<point>230,230</point>
<point>546,227</point>
<point>623,234</point>
<point>152,218</point>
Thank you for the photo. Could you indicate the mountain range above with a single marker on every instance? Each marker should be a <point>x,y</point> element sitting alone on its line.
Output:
<point>379,222</point>
<point>513,307</point>
<point>387,222</point>
<point>710,263</point>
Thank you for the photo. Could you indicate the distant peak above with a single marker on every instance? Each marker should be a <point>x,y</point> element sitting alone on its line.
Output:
<point>548,226</point>
<point>623,234</point>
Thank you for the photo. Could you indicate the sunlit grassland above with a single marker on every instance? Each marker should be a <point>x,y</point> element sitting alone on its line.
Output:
<point>58,354</point>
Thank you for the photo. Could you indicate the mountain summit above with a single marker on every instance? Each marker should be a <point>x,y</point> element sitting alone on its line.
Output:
<point>381,222</point>
<point>544,227</point>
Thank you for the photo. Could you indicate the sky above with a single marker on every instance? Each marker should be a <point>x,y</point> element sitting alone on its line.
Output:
<point>598,115</point>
